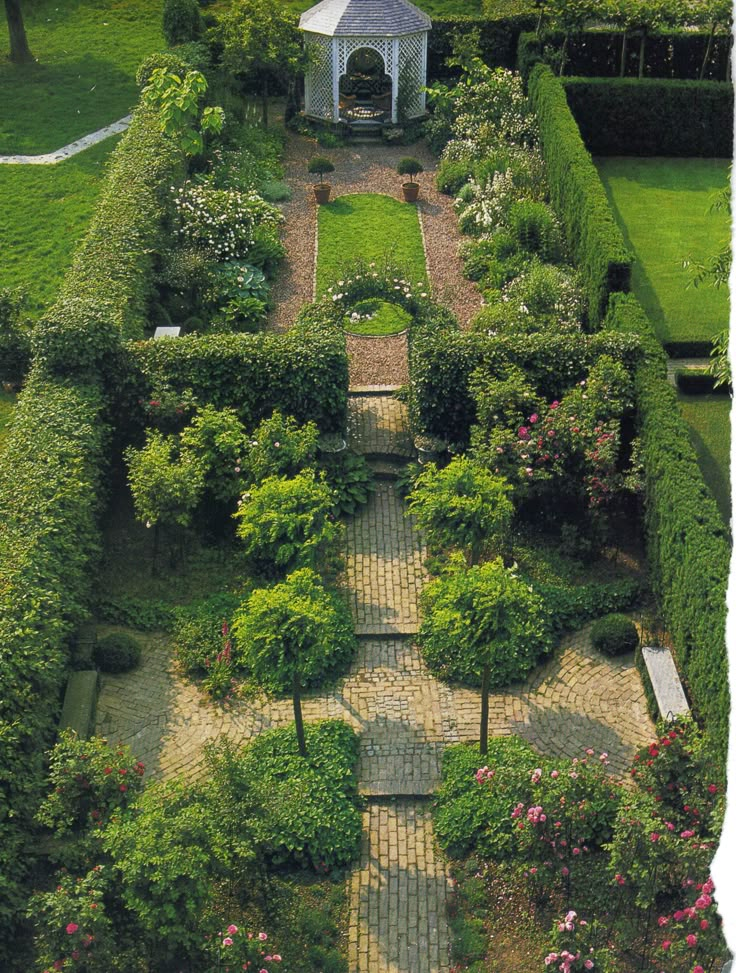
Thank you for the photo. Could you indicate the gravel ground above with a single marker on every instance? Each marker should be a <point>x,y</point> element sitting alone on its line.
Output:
<point>368,167</point>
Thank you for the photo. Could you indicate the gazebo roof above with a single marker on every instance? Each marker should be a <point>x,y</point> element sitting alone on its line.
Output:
<point>364,18</point>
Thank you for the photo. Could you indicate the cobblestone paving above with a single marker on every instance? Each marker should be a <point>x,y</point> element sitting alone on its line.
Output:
<point>405,718</point>
<point>398,895</point>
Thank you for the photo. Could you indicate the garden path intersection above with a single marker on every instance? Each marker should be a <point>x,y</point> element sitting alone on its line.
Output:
<point>404,715</point>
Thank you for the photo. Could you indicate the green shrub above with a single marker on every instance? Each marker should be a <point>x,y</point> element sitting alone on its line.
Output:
<point>350,479</point>
<point>614,635</point>
<point>143,614</point>
<point>279,446</point>
<point>117,652</point>
<point>646,117</point>
<point>497,38</point>
<point>302,373</point>
<point>687,544</point>
<point>535,229</point>
<point>469,941</point>
<point>171,61</point>
<point>276,191</point>
<point>452,174</point>
<point>578,196</point>
<point>105,295</point>
<point>182,21</point>
<point>197,633</point>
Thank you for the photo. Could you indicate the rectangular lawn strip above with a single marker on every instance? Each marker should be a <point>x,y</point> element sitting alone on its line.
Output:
<point>45,213</point>
<point>709,418</point>
<point>663,207</point>
<point>370,227</point>
<point>87,54</point>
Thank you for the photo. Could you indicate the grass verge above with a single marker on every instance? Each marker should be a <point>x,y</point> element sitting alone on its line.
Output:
<point>709,418</point>
<point>371,227</point>
<point>45,213</point>
<point>663,208</point>
<point>87,53</point>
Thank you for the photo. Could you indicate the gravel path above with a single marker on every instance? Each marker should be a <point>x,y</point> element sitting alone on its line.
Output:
<point>368,167</point>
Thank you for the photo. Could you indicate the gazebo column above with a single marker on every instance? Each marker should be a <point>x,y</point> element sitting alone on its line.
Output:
<point>395,71</point>
<point>335,79</point>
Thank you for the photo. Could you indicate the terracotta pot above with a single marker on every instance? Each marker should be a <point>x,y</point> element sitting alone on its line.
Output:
<point>322,192</point>
<point>411,191</point>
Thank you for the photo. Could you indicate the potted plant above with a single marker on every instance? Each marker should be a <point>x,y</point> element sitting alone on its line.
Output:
<point>331,442</point>
<point>429,448</point>
<point>320,166</point>
<point>410,167</point>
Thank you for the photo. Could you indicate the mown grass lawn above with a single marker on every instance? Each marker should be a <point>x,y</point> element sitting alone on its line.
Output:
<point>87,53</point>
<point>663,207</point>
<point>45,212</point>
<point>371,227</point>
<point>709,418</point>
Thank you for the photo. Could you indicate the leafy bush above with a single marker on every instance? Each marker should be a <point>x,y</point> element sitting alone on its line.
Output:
<point>279,446</point>
<point>650,117</point>
<point>288,524</point>
<point>535,229</point>
<point>303,373</point>
<point>578,196</point>
<point>350,479</point>
<point>144,614</point>
<point>117,652</point>
<point>312,817</point>
<point>452,174</point>
<point>276,191</point>
<point>171,61</point>
<point>687,544</point>
<point>614,635</point>
<point>15,338</point>
<point>182,21</point>
<point>198,635</point>
<point>497,38</point>
<point>105,295</point>
<point>240,292</point>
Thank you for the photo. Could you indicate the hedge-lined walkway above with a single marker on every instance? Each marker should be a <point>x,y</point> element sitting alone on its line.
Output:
<point>404,715</point>
<point>368,168</point>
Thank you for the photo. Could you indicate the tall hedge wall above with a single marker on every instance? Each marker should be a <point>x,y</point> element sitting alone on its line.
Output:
<point>303,372</point>
<point>105,294</point>
<point>687,543</point>
<point>441,365</point>
<point>498,38</point>
<point>597,53</point>
<point>578,196</point>
<point>50,485</point>
<point>625,116</point>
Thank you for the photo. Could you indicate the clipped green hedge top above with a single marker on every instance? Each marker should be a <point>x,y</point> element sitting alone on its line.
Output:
<point>105,294</point>
<point>578,195</point>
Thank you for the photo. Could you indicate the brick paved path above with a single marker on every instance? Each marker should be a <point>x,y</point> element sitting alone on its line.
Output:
<point>405,717</point>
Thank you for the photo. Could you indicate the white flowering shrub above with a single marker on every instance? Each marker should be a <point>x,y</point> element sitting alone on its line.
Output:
<point>222,221</point>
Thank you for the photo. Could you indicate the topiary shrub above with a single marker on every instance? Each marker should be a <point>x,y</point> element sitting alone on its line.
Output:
<point>614,635</point>
<point>182,21</point>
<point>118,652</point>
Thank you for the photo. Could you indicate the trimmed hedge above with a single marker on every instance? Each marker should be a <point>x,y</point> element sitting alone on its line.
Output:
<point>597,53</point>
<point>303,373</point>
<point>625,116</point>
<point>50,489</point>
<point>441,364</point>
<point>578,196</point>
<point>105,295</point>
<point>687,543</point>
<point>699,381</point>
<point>498,38</point>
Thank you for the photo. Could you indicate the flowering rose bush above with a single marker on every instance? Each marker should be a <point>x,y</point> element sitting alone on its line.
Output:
<point>691,939</point>
<point>221,221</point>
<point>576,945</point>
<point>90,781</point>
<point>232,948</point>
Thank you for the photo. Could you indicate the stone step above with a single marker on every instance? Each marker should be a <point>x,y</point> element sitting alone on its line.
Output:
<point>358,391</point>
<point>386,468</point>
<point>391,629</point>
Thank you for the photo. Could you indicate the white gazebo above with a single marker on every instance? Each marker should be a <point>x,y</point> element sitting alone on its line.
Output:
<point>365,55</point>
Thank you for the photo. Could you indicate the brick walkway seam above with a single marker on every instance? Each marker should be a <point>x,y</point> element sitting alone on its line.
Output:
<point>405,717</point>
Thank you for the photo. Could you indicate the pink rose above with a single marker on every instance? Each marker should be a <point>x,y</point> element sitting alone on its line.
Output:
<point>227,941</point>
<point>72,928</point>
<point>589,964</point>
<point>232,929</point>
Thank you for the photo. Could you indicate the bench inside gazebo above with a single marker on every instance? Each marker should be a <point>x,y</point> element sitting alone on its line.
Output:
<point>368,61</point>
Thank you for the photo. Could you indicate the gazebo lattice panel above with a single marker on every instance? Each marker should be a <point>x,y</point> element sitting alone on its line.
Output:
<point>318,88</point>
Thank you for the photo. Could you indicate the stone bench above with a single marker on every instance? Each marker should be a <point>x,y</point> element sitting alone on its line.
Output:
<point>80,703</point>
<point>665,681</point>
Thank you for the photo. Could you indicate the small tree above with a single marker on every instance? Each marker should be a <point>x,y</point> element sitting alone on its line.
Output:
<point>320,166</point>
<point>494,618</point>
<point>409,167</point>
<point>570,16</point>
<point>177,101</point>
<point>288,524</point>
<point>462,506</point>
<point>292,632</point>
<point>182,21</point>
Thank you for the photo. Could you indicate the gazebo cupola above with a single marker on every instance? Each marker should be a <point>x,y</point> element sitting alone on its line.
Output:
<point>368,60</point>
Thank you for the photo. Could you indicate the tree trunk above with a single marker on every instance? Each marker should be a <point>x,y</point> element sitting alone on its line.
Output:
<point>563,53</point>
<point>154,558</point>
<point>624,39</point>
<point>264,102</point>
<point>484,711</point>
<point>708,49</point>
<point>296,697</point>
<point>19,51</point>
<point>642,50</point>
